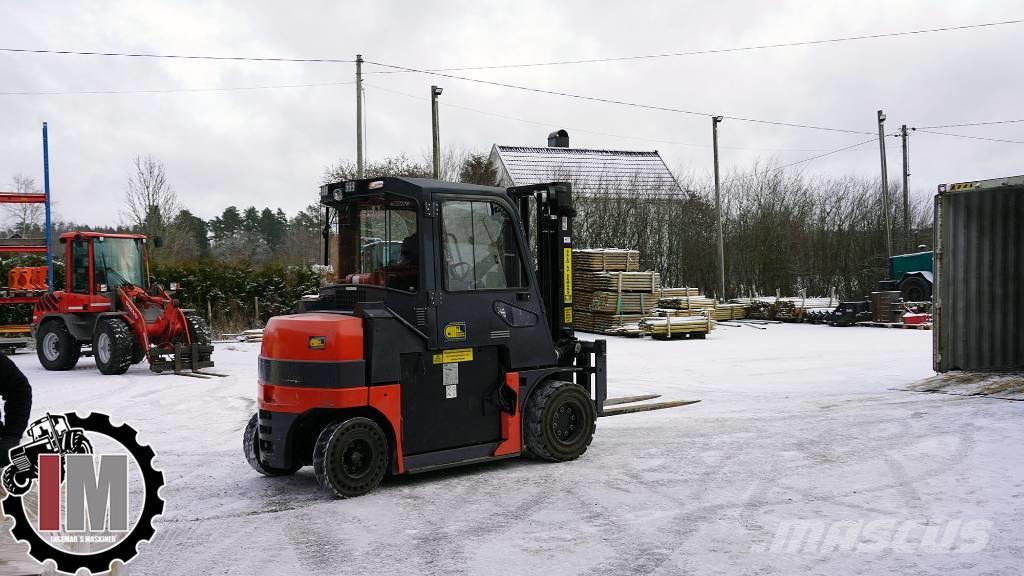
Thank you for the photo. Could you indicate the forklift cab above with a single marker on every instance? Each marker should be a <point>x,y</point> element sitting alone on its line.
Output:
<point>444,276</point>
<point>98,262</point>
<point>451,260</point>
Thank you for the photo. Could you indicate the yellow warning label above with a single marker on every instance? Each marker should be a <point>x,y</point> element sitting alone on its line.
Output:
<point>567,271</point>
<point>963,186</point>
<point>568,315</point>
<point>456,355</point>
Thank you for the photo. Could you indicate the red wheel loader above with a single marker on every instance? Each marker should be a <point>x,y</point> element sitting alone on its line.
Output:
<point>455,349</point>
<point>106,308</point>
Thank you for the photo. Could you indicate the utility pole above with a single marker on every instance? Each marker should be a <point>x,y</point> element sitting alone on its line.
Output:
<point>906,189</point>
<point>49,227</point>
<point>718,210</point>
<point>359,115</point>
<point>885,184</point>
<point>435,91</point>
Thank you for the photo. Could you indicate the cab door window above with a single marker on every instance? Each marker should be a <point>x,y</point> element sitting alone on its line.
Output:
<point>80,266</point>
<point>480,247</point>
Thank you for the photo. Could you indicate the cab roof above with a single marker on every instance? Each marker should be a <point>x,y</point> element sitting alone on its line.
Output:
<point>420,188</point>
<point>72,235</point>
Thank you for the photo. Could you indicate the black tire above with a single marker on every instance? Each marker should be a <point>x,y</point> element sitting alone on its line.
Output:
<point>13,484</point>
<point>112,346</point>
<point>251,447</point>
<point>916,289</point>
<point>560,421</point>
<point>138,354</point>
<point>351,457</point>
<point>199,333</point>
<point>198,329</point>
<point>56,348</point>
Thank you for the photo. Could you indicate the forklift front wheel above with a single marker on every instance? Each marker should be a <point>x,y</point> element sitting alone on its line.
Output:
<point>560,421</point>
<point>351,457</point>
<point>251,447</point>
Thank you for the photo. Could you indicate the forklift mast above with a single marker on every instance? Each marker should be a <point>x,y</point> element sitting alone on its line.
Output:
<point>553,214</point>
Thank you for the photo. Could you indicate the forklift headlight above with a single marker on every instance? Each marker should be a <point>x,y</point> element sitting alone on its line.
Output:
<point>102,288</point>
<point>175,286</point>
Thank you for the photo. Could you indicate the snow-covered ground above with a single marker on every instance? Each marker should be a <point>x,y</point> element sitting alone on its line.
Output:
<point>804,456</point>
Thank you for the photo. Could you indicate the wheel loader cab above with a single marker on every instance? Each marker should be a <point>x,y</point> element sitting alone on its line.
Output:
<point>99,262</point>
<point>457,329</point>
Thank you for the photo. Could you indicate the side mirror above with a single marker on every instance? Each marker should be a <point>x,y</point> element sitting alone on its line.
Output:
<point>158,241</point>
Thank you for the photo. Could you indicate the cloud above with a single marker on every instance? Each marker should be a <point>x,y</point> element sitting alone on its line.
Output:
<point>269,147</point>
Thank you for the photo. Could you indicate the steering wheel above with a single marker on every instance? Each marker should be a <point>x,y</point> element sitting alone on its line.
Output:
<point>462,271</point>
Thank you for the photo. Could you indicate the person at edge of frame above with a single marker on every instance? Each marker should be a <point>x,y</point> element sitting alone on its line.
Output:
<point>17,396</point>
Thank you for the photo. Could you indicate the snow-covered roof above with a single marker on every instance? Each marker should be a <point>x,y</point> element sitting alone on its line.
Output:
<point>622,171</point>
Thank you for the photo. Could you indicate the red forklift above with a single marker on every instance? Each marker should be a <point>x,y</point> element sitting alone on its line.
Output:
<point>106,307</point>
<point>460,350</point>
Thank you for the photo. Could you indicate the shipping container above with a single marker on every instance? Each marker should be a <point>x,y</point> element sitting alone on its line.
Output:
<point>979,272</point>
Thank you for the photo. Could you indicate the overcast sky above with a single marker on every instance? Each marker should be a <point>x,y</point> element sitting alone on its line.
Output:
<point>270,146</point>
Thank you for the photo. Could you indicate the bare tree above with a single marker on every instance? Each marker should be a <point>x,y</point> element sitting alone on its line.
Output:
<point>151,203</point>
<point>27,219</point>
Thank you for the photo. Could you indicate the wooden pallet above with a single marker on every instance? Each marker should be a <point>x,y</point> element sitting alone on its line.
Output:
<point>925,326</point>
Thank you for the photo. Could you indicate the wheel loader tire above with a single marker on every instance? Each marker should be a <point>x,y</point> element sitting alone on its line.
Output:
<point>199,333</point>
<point>112,346</point>
<point>56,348</point>
<point>198,330</point>
<point>251,447</point>
<point>138,354</point>
<point>351,457</point>
<point>560,421</point>
<point>916,289</point>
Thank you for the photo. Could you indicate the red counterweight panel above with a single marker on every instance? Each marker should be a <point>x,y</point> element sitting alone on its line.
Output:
<point>511,424</point>
<point>313,336</point>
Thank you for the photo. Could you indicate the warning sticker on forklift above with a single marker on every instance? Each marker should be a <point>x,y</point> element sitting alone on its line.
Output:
<point>454,355</point>
<point>451,374</point>
<point>450,392</point>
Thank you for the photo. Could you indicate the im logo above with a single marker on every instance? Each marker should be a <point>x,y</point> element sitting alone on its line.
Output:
<point>83,467</point>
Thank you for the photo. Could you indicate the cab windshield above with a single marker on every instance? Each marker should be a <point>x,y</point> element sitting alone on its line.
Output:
<point>378,242</point>
<point>118,261</point>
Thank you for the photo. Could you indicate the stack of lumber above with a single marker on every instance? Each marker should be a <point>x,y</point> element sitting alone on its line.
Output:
<point>700,303</point>
<point>255,335</point>
<point>791,309</point>
<point>678,292</point>
<point>603,259</point>
<point>610,295</point>
<point>676,326</point>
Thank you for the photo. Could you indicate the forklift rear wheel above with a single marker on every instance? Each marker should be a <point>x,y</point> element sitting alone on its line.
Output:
<point>351,457</point>
<point>56,347</point>
<point>560,421</point>
<point>112,346</point>
<point>251,447</point>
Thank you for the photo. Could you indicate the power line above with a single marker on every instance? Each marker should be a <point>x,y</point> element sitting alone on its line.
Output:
<point>612,101</point>
<point>791,164</point>
<point>174,56</point>
<point>969,137</point>
<point>173,90</point>
<point>972,124</point>
<point>586,131</point>
<point>716,50</point>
